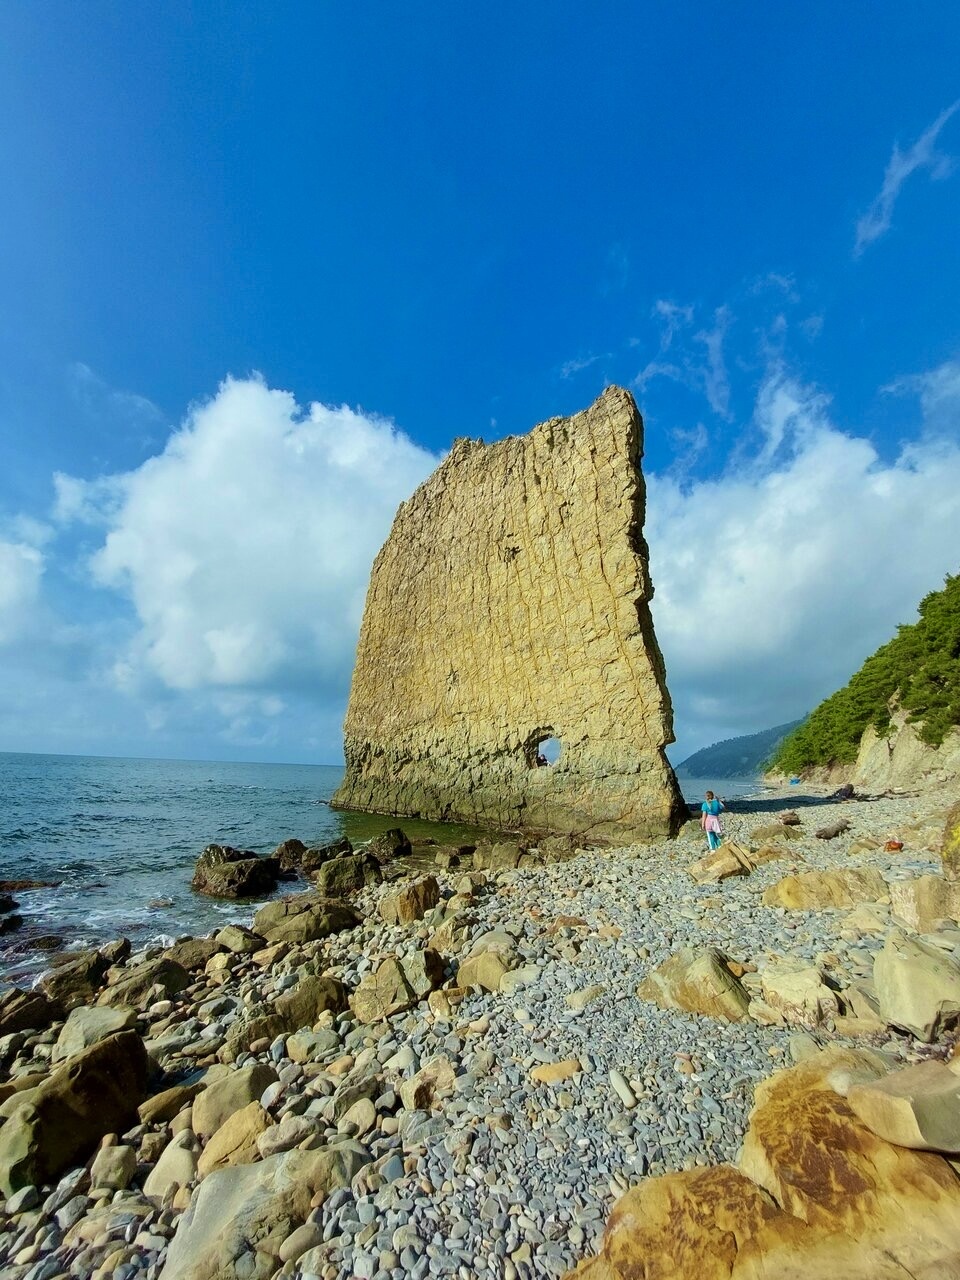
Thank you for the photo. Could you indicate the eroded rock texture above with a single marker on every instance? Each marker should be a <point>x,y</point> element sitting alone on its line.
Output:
<point>510,604</point>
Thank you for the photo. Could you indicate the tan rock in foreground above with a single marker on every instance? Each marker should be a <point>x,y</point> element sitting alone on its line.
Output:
<point>918,986</point>
<point>697,981</point>
<point>918,1107</point>
<point>817,1197</point>
<point>511,604</point>
<point>819,890</point>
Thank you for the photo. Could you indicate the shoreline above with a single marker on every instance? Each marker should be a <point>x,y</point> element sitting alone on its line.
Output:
<point>552,1093</point>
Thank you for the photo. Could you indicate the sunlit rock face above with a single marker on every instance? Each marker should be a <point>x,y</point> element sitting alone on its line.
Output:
<point>510,605</point>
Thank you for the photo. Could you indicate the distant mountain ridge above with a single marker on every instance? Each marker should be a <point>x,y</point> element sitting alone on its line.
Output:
<point>736,757</point>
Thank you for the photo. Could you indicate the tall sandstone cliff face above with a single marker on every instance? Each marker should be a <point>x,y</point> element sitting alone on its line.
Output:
<point>511,604</point>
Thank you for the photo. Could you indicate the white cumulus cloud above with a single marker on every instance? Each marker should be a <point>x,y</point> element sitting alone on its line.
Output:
<point>246,545</point>
<point>776,577</point>
<point>21,570</point>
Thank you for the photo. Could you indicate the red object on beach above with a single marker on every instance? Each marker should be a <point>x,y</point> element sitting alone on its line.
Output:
<point>893,846</point>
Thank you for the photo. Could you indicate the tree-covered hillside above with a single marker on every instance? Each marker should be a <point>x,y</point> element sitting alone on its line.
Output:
<point>920,665</point>
<point>735,757</point>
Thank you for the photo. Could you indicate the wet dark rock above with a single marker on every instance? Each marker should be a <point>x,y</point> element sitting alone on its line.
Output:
<point>76,978</point>
<point>224,872</point>
<point>391,844</point>
<point>314,857</point>
<point>26,1011</point>
<point>349,872</point>
<point>18,886</point>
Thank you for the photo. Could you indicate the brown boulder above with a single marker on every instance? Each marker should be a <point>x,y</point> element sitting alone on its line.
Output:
<point>314,857</point>
<point>240,876</point>
<point>304,917</point>
<point>807,1148</point>
<point>134,987</point>
<point>819,890</point>
<point>303,1004</point>
<point>504,856</point>
<point>382,993</point>
<point>925,902</point>
<point>697,980</point>
<point>347,873</point>
<point>193,953</point>
<point>288,854</point>
<point>411,902</point>
<point>817,1196</point>
<point>917,1107</point>
<point>26,1011</point>
<point>389,845</point>
<point>75,980</point>
<point>95,1093</point>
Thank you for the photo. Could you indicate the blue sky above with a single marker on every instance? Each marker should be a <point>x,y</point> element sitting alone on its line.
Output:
<point>432,220</point>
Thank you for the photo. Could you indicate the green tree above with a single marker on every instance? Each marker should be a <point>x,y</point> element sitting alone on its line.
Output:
<point>919,669</point>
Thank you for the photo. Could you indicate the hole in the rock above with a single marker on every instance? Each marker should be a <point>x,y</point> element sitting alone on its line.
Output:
<point>548,751</point>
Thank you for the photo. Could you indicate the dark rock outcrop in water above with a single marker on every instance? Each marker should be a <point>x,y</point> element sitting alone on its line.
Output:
<point>511,605</point>
<point>224,872</point>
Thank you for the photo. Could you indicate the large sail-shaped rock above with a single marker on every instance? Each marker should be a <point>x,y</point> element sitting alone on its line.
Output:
<point>510,605</point>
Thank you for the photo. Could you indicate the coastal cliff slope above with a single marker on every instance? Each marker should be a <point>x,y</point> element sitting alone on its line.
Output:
<point>509,605</point>
<point>897,721</point>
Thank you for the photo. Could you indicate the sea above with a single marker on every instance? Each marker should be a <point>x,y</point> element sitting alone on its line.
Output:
<point>119,838</point>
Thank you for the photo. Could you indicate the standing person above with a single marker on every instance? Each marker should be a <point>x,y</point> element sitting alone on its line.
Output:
<point>710,812</point>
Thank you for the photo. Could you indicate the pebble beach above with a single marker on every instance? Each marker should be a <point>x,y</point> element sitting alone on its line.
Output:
<point>478,1133</point>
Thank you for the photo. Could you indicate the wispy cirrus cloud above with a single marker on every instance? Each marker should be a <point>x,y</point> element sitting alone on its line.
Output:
<point>922,154</point>
<point>704,371</point>
<point>579,363</point>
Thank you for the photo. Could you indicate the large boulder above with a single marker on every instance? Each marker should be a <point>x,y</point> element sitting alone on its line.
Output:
<point>925,902</point>
<point>224,872</point>
<point>819,890</point>
<point>502,856</point>
<point>491,957</point>
<point>683,1226</point>
<point>304,917</point>
<point>412,902</point>
<point>177,1166</point>
<point>817,1196</point>
<point>75,979</point>
<point>390,844</point>
<point>730,859</point>
<point>95,1093</point>
<point>235,1142</point>
<point>239,1217</point>
<point>697,980</point>
<point>313,995</point>
<point>918,986</point>
<point>193,953</point>
<point>798,993</point>
<point>917,1107</point>
<point>88,1026</point>
<point>288,854</point>
<point>214,1106</point>
<point>382,993</point>
<point>806,1147</point>
<point>135,986</point>
<point>26,1011</point>
<point>347,873</point>
<point>313,858</point>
